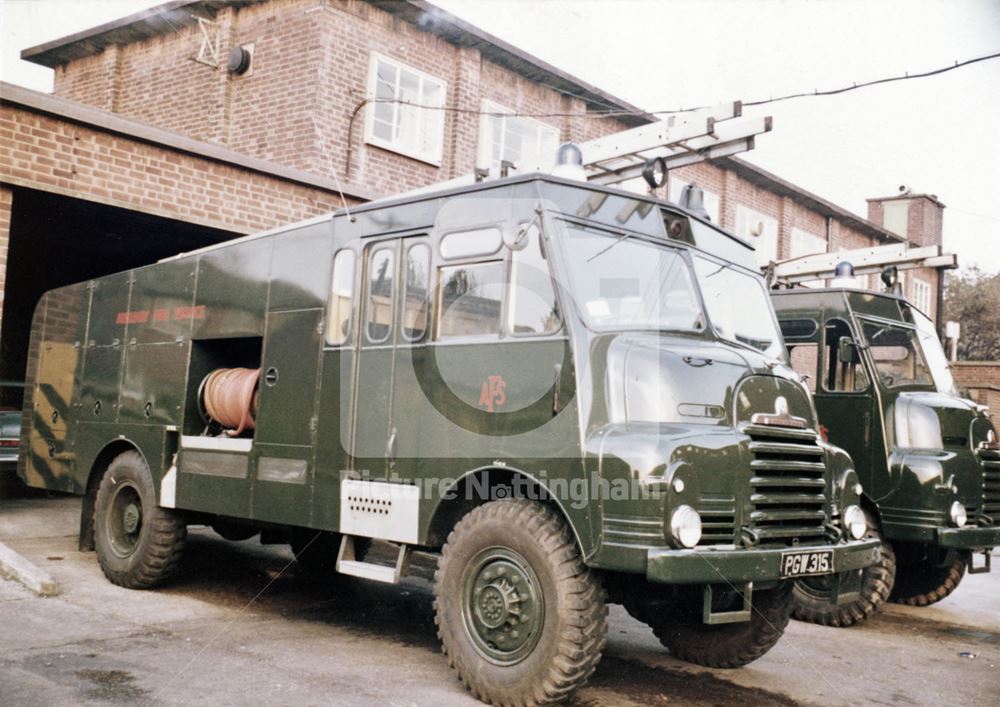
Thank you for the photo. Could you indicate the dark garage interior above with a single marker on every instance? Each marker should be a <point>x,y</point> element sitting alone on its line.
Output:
<point>58,240</point>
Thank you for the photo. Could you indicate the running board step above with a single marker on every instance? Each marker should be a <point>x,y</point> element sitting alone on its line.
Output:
<point>390,574</point>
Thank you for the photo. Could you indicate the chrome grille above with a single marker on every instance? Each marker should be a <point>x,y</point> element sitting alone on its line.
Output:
<point>787,486</point>
<point>991,483</point>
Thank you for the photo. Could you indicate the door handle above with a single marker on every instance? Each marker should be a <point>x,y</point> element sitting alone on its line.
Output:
<point>555,389</point>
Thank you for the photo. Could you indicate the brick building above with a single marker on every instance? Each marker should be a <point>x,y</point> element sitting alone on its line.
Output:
<point>148,120</point>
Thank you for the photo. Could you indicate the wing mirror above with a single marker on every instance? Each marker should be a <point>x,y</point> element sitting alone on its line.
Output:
<point>847,351</point>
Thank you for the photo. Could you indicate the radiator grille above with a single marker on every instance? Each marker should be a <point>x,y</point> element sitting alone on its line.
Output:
<point>787,486</point>
<point>991,483</point>
<point>718,519</point>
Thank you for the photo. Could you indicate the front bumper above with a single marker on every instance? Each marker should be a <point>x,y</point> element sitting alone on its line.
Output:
<point>969,538</point>
<point>707,565</point>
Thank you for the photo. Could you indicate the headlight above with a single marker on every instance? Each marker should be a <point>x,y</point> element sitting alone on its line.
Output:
<point>855,522</point>
<point>957,514</point>
<point>685,526</point>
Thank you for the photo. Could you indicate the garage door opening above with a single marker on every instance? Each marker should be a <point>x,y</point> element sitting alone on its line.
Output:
<point>57,240</point>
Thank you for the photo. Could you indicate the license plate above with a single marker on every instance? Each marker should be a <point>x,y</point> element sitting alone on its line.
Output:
<point>799,564</point>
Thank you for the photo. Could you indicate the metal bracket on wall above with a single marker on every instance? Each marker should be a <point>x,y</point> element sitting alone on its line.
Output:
<point>209,51</point>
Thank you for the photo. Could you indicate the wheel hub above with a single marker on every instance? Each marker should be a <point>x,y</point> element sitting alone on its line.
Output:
<point>504,606</point>
<point>130,518</point>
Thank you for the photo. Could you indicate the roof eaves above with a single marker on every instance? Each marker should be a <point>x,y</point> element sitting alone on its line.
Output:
<point>114,123</point>
<point>753,173</point>
<point>160,19</point>
<point>431,18</point>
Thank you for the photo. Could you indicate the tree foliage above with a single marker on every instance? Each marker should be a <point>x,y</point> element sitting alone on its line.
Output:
<point>972,298</point>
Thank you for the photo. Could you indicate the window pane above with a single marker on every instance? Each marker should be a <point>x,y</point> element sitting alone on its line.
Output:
<point>534,309</point>
<point>628,283</point>
<point>471,298</point>
<point>803,358</point>
<point>842,376</point>
<point>464,244</point>
<point>418,275</point>
<point>897,355</point>
<point>338,321</point>
<point>381,271</point>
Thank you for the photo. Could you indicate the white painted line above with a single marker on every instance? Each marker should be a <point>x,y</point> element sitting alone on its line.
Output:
<point>14,566</point>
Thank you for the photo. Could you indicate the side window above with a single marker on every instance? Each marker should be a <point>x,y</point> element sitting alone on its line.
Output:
<point>533,305</point>
<point>379,294</point>
<point>842,376</point>
<point>804,360</point>
<point>416,294</point>
<point>338,319</point>
<point>471,299</point>
<point>468,244</point>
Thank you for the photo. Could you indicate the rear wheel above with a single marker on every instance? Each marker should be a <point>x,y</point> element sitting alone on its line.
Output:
<point>522,620</point>
<point>680,628</point>
<point>139,544</point>
<point>812,594</point>
<point>922,579</point>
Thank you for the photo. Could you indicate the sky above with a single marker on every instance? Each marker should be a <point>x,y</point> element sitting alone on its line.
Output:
<point>939,135</point>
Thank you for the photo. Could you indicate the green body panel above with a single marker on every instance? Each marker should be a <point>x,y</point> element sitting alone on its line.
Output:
<point>911,489</point>
<point>547,408</point>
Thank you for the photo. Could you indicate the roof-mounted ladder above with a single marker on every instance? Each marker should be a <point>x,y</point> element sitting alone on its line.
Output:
<point>866,261</point>
<point>679,140</point>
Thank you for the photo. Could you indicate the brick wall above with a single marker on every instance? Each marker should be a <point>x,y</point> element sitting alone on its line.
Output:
<point>43,152</point>
<point>6,199</point>
<point>309,75</point>
<point>980,380</point>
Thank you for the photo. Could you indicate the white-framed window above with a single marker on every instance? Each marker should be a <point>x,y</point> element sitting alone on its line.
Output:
<point>711,199</point>
<point>395,120</point>
<point>805,243</point>
<point>760,230</point>
<point>921,292</point>
<point>526,142</point>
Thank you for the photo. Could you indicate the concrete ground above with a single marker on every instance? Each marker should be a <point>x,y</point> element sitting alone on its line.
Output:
<point>239,627</point>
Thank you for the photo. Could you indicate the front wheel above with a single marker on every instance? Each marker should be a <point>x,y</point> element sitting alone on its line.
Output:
<point>520,616</point>
<point>813,594</point>
<point>139,544</point>
<point>922,580</point>
<point>681,630</point>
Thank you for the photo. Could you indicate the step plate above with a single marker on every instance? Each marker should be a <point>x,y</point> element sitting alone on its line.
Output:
<point>381,510</point>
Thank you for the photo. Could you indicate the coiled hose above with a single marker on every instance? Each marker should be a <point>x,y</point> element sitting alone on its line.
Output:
<point>229,397</point>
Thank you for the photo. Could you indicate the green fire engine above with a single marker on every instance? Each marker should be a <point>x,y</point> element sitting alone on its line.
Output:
<point>571,394</point>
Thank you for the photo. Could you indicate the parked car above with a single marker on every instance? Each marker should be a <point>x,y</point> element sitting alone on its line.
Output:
<point>10,425</point>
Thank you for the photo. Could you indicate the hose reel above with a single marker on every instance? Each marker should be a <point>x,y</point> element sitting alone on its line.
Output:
<point>230,398</point>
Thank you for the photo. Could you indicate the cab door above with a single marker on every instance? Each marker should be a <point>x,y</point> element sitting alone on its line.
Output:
<point>373,441</point>
<point>845,400</point>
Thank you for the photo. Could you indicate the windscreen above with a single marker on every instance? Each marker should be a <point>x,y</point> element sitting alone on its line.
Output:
<point>897,354</point>
<point>624,282</point>
<point>738,306</point>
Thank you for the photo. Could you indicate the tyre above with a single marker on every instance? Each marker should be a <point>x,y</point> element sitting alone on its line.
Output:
<point>812,594</point>
<point>139,544</point>
<point>921,580</point>
<point>521,618</point>
<point>680,628</point>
